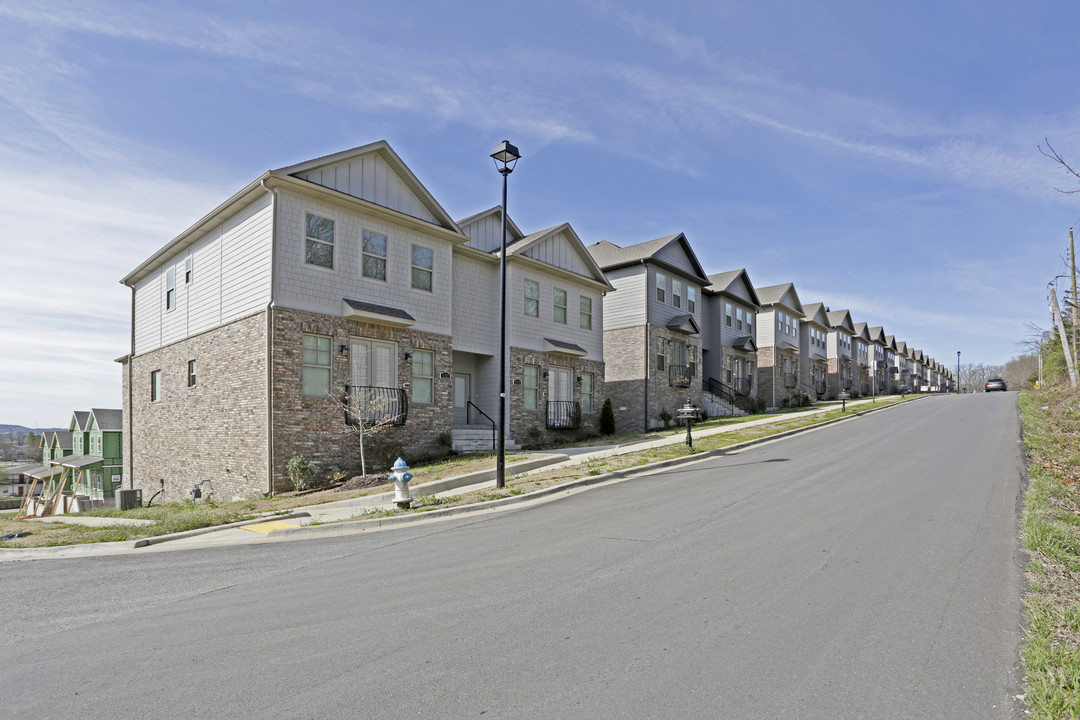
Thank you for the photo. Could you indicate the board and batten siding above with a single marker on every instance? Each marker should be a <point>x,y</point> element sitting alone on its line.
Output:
<point>559,252</point>
<point>230,279</point>
<point>626,306</point>
<point>313,288</point>
<point>486,233</point>
<point>370,177</point>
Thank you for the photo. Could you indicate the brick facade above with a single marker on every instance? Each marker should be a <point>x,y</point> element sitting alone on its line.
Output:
<point>528,427</point>
<point>214,430</point>
<point>315,427</point>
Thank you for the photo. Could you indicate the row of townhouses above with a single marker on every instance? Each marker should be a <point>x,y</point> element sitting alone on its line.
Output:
<point>86,458</point>
<point>339,290</point>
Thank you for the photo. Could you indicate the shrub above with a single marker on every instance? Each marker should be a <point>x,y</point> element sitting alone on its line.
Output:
<point>665,417</point>
<point>607,419</point>
<point>300,471</point>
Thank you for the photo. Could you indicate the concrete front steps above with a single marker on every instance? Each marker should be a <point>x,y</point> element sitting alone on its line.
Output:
<point>476,438</point>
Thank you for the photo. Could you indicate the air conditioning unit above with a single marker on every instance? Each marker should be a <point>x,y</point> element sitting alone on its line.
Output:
<point>128,499</point>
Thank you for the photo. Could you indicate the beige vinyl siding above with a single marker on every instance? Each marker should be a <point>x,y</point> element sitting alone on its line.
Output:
<point>245,261</point>
<point>626,306</point>
<point>371,178</point>
<point>476,299</point>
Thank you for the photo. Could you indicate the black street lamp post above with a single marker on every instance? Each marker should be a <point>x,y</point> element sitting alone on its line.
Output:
<point>506,157</point>
<point>957,372</point>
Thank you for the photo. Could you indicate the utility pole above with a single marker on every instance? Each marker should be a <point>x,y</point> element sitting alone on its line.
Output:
<point>1072,309</point>
<point>1055,313</point>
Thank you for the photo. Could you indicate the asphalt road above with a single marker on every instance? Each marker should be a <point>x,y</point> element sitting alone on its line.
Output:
<point>865,570</point>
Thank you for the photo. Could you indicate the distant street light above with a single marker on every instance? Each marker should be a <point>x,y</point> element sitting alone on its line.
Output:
<point>957,372</point>
<point>506,157</point>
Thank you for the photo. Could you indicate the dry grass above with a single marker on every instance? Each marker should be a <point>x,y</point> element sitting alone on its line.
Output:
<point>1050,533</point>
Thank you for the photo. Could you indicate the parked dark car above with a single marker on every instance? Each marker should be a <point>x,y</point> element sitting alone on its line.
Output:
<point>995,384</point>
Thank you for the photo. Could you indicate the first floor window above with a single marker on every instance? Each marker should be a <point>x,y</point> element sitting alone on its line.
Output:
<point>586,313</point>
<point>423,376</point>
<point>423,265</point>
<point>319,241</point>
<point>661,357</point>
<point>316,380</point>
<point>374,252</point>
<point>155,386</point>
<point>729,364</point>
<point>531,385</point>
<point>532,298</point>
<point>191,376</point>
<point>559,309</point>
<point>586,392</point>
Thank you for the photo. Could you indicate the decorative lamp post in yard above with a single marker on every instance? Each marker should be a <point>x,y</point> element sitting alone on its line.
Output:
<point>957,372</point>
<point>506,157</point>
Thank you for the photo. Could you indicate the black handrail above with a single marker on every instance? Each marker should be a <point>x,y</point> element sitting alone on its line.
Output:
<point>375,405</point>
<point>468,419</point>
<point>563,414</point>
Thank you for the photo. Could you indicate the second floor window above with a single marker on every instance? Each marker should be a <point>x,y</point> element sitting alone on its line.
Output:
<point>661,287</point>
<point>738,318</point>
<point>727,314</point>
<point>691,297</point>
<point>586,313</point>
<point>423,265</point>
<point>676,294</point>
<point>374,262</point>
<point>532,298</point>
<point>170,289</point>
<point>559,306</point>
<point>319,242</point>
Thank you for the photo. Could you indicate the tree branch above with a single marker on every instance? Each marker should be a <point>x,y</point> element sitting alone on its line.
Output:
<point>1056,157</point>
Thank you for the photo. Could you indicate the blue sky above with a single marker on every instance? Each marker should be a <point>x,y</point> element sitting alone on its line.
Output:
<point>881,156</point>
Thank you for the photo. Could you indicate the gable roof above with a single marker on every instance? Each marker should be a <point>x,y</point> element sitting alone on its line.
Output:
<point>513,232</point>
<point>840,320</point>
<point>815,313</point>
<point>79,421</point>
<point>783,294</point>
<point>108,419</point>
<point>309,170</point>
<point>724,283</point>
<point>877,334</point>
<point>523,246</point>
<point>61,439</point>
<point>684,323</point>
<point>861,331</point>
<point>609,256</point>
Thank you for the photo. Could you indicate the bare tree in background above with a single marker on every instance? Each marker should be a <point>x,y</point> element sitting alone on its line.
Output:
<point>368,413</point>
<point>1054,155</point>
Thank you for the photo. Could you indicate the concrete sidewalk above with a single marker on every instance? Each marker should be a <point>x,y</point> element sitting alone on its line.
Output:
<point>355,514</point>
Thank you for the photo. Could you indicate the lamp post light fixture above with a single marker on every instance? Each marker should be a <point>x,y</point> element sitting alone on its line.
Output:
<point>505,156</point>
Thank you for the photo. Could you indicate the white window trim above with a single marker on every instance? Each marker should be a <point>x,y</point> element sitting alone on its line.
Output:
<point>430,271</point>
<point>333,245</point>
<point>385,258</point>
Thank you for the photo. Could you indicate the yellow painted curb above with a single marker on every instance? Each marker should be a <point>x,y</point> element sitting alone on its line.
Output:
<point>268,527</point>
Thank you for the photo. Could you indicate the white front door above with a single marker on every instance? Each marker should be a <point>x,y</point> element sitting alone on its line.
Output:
<point>559,384</point>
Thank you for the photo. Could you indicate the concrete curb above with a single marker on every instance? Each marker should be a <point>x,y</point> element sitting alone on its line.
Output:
<point>157,539</point>
<point>353,526</point>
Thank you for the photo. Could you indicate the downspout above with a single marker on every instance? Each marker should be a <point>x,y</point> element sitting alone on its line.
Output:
<point>131,396</point>
<point>270,340</point>
<point>648,350</point>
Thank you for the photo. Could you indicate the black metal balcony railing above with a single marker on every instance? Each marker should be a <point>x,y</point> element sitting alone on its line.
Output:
<point>375,405</point>
<point>791,380</point>
<point>679,375</point>
<point>563,414</point>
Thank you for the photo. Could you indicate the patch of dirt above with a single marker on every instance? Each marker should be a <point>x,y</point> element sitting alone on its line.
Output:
<point>364,481</point>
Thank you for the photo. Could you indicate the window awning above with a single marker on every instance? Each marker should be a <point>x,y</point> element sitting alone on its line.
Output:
<point>379,314</point>
<point>684,323</point>
<point>566,348</point>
